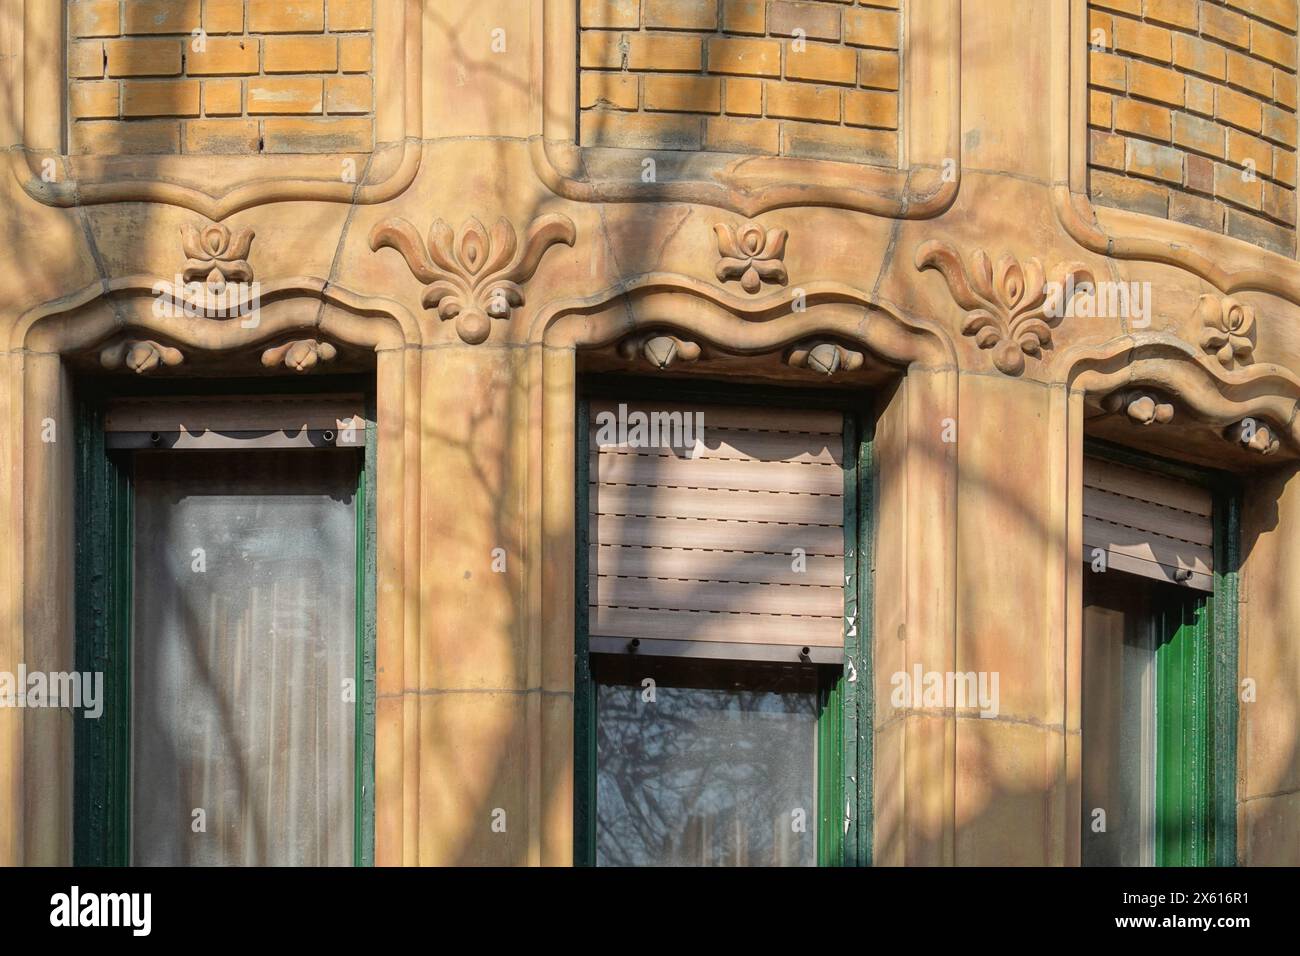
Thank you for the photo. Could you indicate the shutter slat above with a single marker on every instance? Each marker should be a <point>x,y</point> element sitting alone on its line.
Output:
<point>723,628</point>
<point>1179,525</point>
<point>1135,483</point>
<point>700,549</point>
<point>704,503</point>
<point>736,475</point>
<point>1148,524</point>
<point>662,594</point>
<point>725,536</point>
<point>687,564</point>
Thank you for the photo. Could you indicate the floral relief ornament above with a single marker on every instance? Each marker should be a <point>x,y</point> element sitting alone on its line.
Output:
<point>216,255</point>
<point>1229,329</point>
<point>752,254</point>
<point>473,275</point>
<point>1010,308</point>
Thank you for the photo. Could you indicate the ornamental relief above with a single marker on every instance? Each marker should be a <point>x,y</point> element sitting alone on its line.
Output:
<point>473,275</point>
<point>1010,307</point>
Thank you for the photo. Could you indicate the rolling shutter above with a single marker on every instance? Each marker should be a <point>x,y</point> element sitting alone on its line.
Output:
<point>271,421</point>
<point>692,545</point>
<point>1148,524</point>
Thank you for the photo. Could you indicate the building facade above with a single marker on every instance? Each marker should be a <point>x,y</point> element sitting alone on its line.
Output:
<point>634,431</point>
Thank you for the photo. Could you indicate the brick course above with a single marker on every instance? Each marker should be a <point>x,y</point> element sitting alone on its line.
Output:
<point>271,76</point>
<point>808,78</point>
<point>1192,113</point>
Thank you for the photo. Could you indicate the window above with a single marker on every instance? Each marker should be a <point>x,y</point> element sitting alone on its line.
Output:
<point>1156,768</point>
<point>232,627</point>
<point>718,593</point>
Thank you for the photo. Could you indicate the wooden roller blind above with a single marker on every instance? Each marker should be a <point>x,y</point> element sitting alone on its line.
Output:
<point>1148,524</point>
<point>735,541</point>
<point>268,421</point>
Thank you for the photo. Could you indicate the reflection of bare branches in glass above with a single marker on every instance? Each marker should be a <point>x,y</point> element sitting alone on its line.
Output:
<point>705,775</point>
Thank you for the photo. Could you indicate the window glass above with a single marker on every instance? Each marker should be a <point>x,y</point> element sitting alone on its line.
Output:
<point>712,764</point>
<point>244,635</point>
<point>1120,619</point>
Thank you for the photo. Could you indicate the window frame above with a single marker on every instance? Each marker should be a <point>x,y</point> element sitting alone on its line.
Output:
<point>103,596</point>
<point>844,725</point>
<point>1207,714</point>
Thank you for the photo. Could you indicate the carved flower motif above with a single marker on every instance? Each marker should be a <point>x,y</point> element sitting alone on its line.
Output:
<point>216,255</point>
<point>1229,333</point>
<point>752,254</point>
<point>301,355</point>
<point>139,356</point>
<point>1010,308</point>
<point>473,275</point>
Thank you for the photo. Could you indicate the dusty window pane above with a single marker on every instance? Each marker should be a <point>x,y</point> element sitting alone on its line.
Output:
<point>719,770</point>
<point>1119,714</point>
<point>238,706</point>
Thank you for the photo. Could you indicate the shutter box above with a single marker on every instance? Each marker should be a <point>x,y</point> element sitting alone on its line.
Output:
<point>692,545</point>
<point>1148,524</point>
<point>232,423</point>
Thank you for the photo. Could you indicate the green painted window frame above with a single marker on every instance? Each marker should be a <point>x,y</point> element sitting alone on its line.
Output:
<point>103,560</point>
<point>844,739</point>
<point>1196,686</point>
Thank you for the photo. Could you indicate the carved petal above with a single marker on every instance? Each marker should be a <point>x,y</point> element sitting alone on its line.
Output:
<point>216,240</point>
<point>439,291</point>
<point>774,244</point>
<point>504,242</point>
<point>731,268</point>
<point>441,241</point>
<point>192,243</point>
<point>978,320</point>
<point>934,254</point>
<point>401,235</point>
<point>982,275</point>
<point>240,244</point>
<point>1210,312</point>
<point>750,280</point>
<point>544,232</point>
<point>472,246</point>
<point>1010,282</point>
<point>727,243</point>
<point>771,270</point>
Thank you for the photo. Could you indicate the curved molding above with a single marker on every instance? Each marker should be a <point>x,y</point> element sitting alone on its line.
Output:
<point>925,184</point>
<point>93,315</point>
<point>1149,239</point>
<point>117,182</point>
<point>1165,364</point>
<point>750,185</point>
<point>743,325</point>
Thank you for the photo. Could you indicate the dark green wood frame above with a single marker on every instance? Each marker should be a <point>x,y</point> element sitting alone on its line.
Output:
<point>844,727</point>
<point>1196,759</point>
<point>103,571</point>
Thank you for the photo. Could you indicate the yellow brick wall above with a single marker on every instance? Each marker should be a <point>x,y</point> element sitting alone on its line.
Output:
<point>1192,113</point>
<point>220,76</point>
<point>739,76</point>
